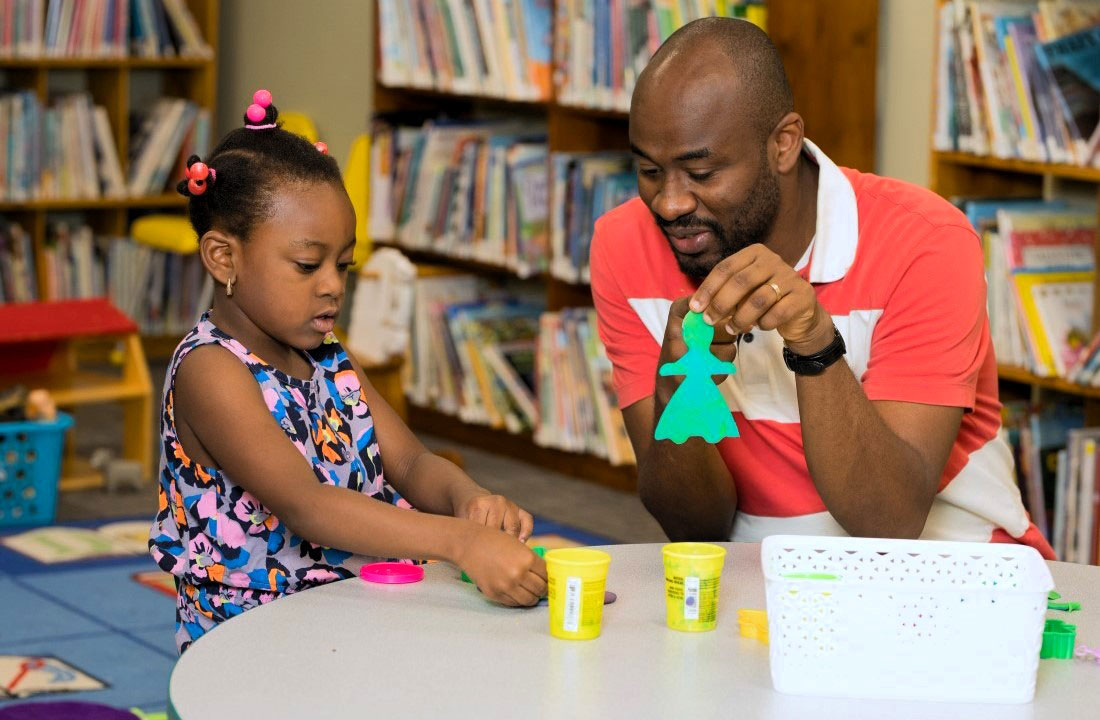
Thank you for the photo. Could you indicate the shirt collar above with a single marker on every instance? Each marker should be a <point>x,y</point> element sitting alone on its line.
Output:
<point>836,234</point>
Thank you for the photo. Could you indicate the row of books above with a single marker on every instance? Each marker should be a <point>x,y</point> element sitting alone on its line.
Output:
<point>577,401</point>
<point>1020,80</point>
<point>99,28</point>
<point>18,278</point>
<point>64,151</point>
<point>584,187</point>
<point>1056,461</point>
<point>503,47</point>
<point>479,191</point>
<point>68,151</point>
<point>492,356</point>
<point>163,292</point>
<point>173,130</point>
<point>472,190</point>
<point>602,47</point>
<point>1040,265</point>
<point>484,47</point>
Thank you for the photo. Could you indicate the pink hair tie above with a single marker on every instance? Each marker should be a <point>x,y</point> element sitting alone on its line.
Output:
<point>197,175</point>
<point>257,111</point>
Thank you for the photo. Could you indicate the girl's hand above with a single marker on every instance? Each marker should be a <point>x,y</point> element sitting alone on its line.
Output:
<point>497,512</point>
<point>504,569</point>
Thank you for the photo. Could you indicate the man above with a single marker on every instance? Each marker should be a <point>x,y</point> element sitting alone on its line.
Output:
<point>852,305</point>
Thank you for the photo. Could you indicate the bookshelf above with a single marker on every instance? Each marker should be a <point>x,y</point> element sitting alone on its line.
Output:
<point>956,174</point>
<point>845,31</point>
<point>118,84</point>
<point>111,83</point>
<point>1050,445</point>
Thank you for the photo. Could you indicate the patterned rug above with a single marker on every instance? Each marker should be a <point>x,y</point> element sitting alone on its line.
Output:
<point>88,617</point>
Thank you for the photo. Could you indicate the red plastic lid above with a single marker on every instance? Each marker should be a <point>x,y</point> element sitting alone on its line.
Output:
<point>391,573</point>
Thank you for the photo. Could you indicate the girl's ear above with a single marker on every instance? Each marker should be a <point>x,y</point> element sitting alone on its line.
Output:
<point>220,255</point>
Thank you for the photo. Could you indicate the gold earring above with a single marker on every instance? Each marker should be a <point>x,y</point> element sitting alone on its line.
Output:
<point>229,288</point>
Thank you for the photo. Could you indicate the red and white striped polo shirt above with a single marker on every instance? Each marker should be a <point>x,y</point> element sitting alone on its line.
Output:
<point>900,271</point>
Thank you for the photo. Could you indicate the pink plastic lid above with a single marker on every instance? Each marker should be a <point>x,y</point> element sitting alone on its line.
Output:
<point>391,573</point>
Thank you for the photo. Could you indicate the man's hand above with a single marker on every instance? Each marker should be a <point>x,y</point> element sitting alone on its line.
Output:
<point>755,288</point>
<point>497,513</point>
<point>724,347</point>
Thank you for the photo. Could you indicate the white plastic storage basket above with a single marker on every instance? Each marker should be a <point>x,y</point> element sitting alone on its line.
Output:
<point>904,619</point>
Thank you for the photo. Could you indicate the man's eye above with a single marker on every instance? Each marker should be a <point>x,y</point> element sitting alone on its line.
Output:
<point>701,177</point>
<point>648,171</point>
<point>307,267</point>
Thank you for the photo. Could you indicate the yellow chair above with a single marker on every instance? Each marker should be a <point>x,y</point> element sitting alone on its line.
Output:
<point>357,183</point>
<point>299,124</point>
<point>170,233</point>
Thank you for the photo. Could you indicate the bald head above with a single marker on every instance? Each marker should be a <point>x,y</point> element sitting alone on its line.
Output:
<point>720,55</point>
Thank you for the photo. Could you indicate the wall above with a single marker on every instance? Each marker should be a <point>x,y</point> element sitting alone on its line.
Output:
<point>314,57</point>
<point>905,58</point>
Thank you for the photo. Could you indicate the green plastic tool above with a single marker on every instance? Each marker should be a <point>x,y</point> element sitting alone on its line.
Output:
<point>1058,639</point>
<point>697,408</point>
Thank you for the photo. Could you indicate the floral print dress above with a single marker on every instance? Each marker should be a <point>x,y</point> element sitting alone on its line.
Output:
<point>227,552</point>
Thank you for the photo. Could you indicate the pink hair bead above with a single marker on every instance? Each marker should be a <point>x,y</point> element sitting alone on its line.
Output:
<point>197,187</point>
<point>255,113</point>
<point>199,171</point>
<point>321,147</point>
<point>261,98</point>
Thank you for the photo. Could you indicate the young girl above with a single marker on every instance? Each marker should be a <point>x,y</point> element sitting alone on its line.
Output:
<point>282,467</point>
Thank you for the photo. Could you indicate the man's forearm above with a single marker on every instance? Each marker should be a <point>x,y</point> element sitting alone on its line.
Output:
<point>688,490</point>
<point>873,482</point>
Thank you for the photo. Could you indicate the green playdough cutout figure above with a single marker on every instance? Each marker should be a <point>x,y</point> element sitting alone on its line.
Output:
<point>697,408</point>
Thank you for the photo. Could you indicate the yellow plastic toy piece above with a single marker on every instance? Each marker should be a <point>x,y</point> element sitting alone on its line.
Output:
<point>753,624</point>
<point>170,233</point>
<point>299,124</point>
<point>357,183</point>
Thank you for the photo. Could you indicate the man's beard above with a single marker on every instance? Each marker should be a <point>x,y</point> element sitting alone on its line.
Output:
<point>750,223</point>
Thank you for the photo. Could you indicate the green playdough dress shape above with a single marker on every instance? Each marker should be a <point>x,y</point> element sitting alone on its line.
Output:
<point>697,408</point>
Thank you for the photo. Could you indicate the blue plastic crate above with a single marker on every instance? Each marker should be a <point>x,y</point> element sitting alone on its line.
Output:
<point>30,466</point>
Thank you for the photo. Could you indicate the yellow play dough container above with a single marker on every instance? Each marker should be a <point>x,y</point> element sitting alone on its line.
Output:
<point>576,578</point>
<point>692,574</point>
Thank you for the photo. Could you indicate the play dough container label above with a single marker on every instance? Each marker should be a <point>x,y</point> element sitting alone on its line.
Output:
<point>576,580</point>
<point>692,575</point>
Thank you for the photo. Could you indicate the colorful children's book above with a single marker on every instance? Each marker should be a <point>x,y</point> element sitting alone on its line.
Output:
<point>1057,308</point>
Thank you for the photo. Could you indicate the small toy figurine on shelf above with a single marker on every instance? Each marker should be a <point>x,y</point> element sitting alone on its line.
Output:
<point>697,408</point>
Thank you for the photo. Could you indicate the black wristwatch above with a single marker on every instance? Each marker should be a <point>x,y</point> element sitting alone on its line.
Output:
<point>815,364</point>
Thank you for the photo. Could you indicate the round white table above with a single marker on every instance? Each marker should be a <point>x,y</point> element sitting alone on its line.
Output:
<point>438,649</point>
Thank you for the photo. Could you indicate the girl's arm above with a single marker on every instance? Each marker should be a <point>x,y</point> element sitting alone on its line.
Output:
<point>431,483</point>
<point>223,421</point>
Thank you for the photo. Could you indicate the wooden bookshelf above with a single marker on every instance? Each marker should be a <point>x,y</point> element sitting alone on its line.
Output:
<point>522,446</point>
<point>843,30</point>
<point>1010,373</point>
<point>165,200</point>
<point>958,174</point>
<point>1023,167</point>
<point>110,81</point>
<point>78,63</point>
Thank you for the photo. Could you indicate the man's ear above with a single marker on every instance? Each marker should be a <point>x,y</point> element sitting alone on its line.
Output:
<point>786,142</point>
<point>221,254</point>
